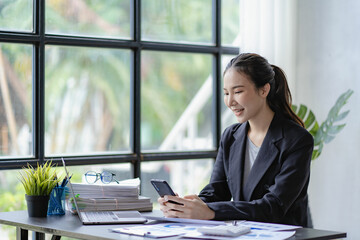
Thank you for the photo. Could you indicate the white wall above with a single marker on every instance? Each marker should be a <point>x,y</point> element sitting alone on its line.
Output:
<point>327,64</point>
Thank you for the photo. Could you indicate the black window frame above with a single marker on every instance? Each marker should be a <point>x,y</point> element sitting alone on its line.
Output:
<point>38,39</point>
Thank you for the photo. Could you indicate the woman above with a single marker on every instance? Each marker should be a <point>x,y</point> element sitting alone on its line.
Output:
<point>262,168</point>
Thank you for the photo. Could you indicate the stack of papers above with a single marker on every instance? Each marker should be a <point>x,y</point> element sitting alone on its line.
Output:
<point>110,197</point>
<point>105,191</point>
<point>140,203</point>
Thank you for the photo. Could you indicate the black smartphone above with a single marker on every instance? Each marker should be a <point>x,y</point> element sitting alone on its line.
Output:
<point>163,188</point>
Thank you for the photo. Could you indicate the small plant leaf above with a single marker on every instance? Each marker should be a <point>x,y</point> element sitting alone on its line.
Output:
<point>341,116</point>
<point>314,129</point>
<point>333,130</point>
<point>302,111</point>
<point>310,119</point>
<point>329,138</point>
<point>315,154</point>
<point>294,108</point>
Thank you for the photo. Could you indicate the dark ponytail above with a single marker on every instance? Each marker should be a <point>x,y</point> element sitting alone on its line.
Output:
<point>280,98</point>
<point>261,72</point>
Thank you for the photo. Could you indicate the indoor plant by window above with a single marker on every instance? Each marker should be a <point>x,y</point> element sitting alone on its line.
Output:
<point>38,183</point>
<point>327,131</point>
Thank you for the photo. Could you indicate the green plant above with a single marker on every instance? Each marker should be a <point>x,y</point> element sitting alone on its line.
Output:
<point>39,181</point>
<point>327,131</point>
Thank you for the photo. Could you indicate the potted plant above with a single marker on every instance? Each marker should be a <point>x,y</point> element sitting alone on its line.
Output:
<point>38,183</point>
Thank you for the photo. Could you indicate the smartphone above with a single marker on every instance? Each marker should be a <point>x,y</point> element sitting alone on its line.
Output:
<point>163,188</point>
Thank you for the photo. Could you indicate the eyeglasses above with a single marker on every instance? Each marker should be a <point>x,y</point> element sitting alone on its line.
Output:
<point>106,177</point>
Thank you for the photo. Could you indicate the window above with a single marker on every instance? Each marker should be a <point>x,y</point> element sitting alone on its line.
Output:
<point>176,104</point>
<point>16,111</point>
<point>87,100</point>
<point>16,16</point>
<point>172,26</point>
<point>124,82</point>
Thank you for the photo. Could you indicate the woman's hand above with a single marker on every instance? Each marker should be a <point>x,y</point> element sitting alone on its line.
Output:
<point>191,207</point>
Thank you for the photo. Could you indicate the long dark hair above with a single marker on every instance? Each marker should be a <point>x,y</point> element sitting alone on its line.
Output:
<point>262,72</point>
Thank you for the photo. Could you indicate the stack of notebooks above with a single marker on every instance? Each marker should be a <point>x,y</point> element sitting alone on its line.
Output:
<point>111,197</point>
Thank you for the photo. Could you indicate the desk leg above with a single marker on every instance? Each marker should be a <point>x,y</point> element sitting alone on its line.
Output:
<point>21,234</point>
<point>38,236</point>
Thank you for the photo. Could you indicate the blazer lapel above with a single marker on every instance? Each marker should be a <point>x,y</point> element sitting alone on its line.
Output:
<point>236,161</point>
<point>266,156</point>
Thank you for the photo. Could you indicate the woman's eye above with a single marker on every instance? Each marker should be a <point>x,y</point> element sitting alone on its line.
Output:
<point>238,92</point>
<point>225,94</point>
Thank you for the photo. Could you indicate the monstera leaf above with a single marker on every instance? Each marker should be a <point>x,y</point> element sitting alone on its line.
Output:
<point>327,131</point>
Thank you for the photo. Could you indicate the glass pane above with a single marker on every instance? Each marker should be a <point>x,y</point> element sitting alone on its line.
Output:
<point>176,93</point>
<point>16,100</point>
<point>185,177</point>
<point>110,18</point>
<point>12,198</point>
<point>177,20</point>
<point>16,15</point>
<point>227,116</point>
<point>230,22</point>
<point>87,100</point>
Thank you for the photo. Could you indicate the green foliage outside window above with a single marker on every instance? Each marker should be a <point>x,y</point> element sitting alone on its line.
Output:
<point>172,25</point>
<point>16,15</point>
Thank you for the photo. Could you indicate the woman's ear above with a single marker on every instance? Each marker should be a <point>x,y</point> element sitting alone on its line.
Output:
<point>264,91</point>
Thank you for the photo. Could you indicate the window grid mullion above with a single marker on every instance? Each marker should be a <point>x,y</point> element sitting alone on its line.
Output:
<point>39,81</point>
<point>136,90</point>
<point>217,73</point>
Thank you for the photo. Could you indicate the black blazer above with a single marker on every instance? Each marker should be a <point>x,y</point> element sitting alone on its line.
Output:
<point>276,188</point>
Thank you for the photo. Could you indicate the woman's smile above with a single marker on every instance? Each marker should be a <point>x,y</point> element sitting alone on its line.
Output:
<point>237,111</point>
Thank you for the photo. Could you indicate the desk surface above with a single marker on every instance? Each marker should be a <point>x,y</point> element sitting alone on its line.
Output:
<point>70,226</point>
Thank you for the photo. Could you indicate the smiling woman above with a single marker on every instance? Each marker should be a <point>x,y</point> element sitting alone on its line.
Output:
<point>262,168</point>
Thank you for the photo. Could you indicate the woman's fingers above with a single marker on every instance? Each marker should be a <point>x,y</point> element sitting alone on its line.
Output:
<point>190,206</point>
<point>175,199</point>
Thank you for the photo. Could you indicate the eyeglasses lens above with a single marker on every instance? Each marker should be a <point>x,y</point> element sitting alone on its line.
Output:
<point>106,177</point>
<point>91,177</point>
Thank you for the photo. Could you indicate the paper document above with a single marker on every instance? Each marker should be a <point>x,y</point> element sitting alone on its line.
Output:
<point>158,230</point>
<point>154,233</point>
<point>253,235</point>
<point>190,231</point>
<point>269,226</point>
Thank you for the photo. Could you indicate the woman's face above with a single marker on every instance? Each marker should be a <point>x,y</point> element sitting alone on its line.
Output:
<point>242,97</point>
